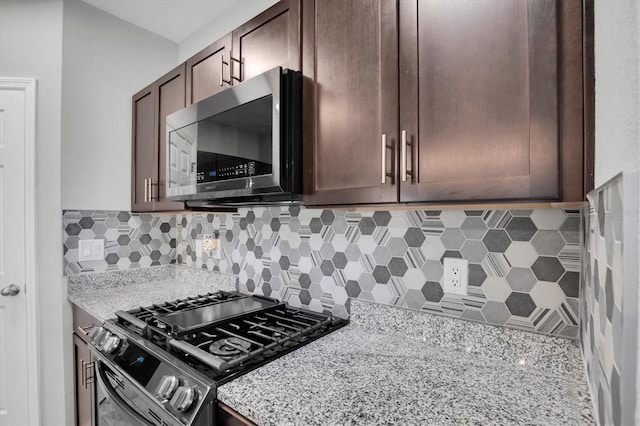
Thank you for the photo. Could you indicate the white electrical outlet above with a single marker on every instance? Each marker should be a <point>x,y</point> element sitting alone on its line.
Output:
<point>456,275</point>
<point>90,250</point>
<point>199,248</point>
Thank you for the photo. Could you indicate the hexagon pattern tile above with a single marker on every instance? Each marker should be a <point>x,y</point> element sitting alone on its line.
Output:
<point>319,259</point>
<point>395,257</point>
<point>607,337</point>
<point>131,240</point>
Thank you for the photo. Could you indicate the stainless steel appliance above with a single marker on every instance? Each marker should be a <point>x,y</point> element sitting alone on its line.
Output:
<point>240,146</point>
<point>161,364</point>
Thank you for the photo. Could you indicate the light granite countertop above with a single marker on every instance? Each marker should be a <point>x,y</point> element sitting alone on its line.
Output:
<point>373,372</point>
<point>389,366</point>
<point>102,294</point>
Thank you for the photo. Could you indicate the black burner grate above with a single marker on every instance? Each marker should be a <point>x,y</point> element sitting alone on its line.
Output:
<point>224,335</point>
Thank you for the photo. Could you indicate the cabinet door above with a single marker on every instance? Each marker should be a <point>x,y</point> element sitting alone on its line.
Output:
<point>479,99</point>
<point>208,72</point>
<point>269,40</point>
<point>351,101</point>
<point>171,97</point>
<point>82,356</point>
<point>144,143</point>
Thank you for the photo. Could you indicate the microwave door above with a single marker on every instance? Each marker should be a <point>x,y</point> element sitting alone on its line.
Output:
<point>236,144</point>
<point>182,158</point>
<point>229,145</point>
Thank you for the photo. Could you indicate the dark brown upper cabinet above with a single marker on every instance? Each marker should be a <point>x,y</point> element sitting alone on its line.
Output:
<point>144,145</point>
<point>269,40</point>
<point>351,101</point>
<point>150,109</point>
<point>209,71</point>
<point>469,100</point>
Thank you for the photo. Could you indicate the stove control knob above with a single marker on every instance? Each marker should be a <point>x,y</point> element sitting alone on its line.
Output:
<point>102,339</point>
<point>96,334</point>
<point>111,344</point>
<point>183,398</point>
<point>167,386</point>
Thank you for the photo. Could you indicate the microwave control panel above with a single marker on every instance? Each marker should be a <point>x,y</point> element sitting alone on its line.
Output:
<point>229,172</point>
<point>219,167</point>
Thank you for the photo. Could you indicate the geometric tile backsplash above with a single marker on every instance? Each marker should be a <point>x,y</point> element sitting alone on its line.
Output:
<point>610,302</point>
<point>524,264</point>
<point>131,240</point>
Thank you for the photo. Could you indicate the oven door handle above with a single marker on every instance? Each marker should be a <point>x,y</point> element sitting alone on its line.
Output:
<point>117,399</point>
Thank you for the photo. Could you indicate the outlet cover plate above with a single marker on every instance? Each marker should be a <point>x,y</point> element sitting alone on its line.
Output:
<point>90,250</point>
<point>456,276</point>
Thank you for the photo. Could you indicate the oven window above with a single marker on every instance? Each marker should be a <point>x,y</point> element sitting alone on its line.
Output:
<point>234,144</point>
<point>138,363</point>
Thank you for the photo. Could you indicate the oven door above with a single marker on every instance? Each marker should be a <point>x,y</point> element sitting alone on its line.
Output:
<point>113,405</point>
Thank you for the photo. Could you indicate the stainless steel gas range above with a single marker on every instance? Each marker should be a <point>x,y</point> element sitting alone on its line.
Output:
<point>161,364</point>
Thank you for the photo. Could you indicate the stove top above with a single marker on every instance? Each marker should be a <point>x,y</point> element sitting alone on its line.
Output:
<point>175,354</point>
<point>226,334</point>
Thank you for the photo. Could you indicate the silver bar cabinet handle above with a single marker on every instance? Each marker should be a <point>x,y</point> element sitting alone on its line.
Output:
<point>404,142</point>
<point>240,63</point>
<point>222,71</point>
<point>384,158</point>
<point>150,189</point>
<point>146,194</point>
<point>83,373</point>
<point>403,154</point>
<point>222,64</point>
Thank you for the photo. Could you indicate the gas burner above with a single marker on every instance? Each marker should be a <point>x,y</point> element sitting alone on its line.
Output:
<point>223,335</point>
<point>229,347</point>
<point>276,331</point>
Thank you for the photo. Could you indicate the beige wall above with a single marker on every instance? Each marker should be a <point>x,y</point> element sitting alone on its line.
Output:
<point>105,60</point>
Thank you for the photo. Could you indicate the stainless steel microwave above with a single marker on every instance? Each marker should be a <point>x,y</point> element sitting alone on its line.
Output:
<point>241,146</point>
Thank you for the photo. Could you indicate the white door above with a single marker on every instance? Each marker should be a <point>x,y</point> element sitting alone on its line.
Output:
<point>17,105</point>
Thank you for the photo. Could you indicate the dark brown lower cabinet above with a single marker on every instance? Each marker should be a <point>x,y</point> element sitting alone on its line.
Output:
<point>226,416</point>
<point>422,101</point>
<point>81,359</point>
<point>83,371</point>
